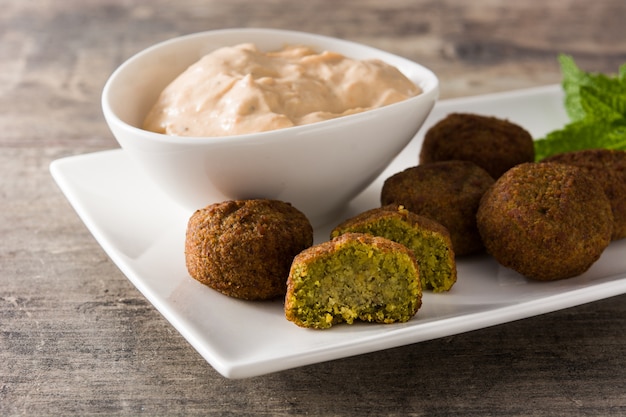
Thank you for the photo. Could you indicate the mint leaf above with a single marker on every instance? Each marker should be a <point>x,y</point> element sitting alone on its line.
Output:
<point>573,78</point>
<point>596,106</point>
<point>573,137</point>
<point>616,137</point>
<point>581,135</point>
<point>602,104</point>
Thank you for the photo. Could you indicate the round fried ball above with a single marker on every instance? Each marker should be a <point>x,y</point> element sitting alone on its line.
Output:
<point>244,248</point>
<point>547,221</point>
<point>448,192</point>
<point>494,144</point>
<point>609,168</point>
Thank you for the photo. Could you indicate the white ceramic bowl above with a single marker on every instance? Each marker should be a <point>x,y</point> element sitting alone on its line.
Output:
<point>318,168</point>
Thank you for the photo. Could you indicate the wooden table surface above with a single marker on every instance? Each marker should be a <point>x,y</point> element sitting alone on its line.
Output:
<point>76,338</point>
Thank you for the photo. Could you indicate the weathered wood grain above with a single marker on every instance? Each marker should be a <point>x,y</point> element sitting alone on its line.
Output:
<point>76,338</point>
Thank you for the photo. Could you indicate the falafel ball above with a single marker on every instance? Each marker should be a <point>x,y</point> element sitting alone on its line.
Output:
<point>609,168</point>
<point>448,192</point>
<point>547,221</point>
<point>244,248</point>
<point>354,276</point>
<point>494,144</point>
<point>429,241</point>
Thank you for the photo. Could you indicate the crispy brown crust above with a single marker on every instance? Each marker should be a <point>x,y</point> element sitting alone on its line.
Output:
<point>393,211</point>
<point>448,192</point>
<point>244,248</point>
<point>609,168</point>
<point>494,144</point>
<point>329,247</point>
<point>547,220</point>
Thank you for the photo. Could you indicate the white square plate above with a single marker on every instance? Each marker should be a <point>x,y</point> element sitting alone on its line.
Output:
<point>143,232</point>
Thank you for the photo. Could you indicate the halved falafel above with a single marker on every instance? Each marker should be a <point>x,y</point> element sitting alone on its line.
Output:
<point>448,192</point>
<point>494,144</point>
<point>354,276</point>
<point>244,248</point>
<point>429,241</point>
<point>547,221</point>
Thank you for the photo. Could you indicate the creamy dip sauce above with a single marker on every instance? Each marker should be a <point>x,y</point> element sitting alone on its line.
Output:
<point>239,89</point>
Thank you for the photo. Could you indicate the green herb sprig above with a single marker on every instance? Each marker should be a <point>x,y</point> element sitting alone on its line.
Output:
<point>596,106</point>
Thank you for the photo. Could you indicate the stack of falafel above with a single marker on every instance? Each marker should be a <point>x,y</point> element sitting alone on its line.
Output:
<point>262,249</point>
<point>476,189</point>
<point>547,220</point>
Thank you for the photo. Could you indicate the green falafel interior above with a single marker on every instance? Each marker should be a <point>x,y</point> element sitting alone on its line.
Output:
<point>431,245</point>
<point>436,266</point>
<point>353,277</point>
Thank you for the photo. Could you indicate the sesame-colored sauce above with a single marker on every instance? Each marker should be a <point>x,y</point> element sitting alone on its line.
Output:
<point>237,90</point>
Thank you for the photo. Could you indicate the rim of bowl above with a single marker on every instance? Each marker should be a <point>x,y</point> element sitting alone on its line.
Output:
<point>430,89</point>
